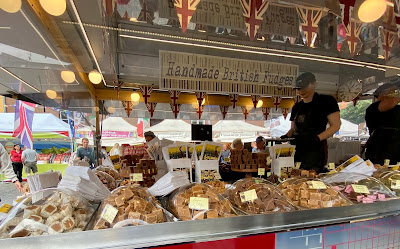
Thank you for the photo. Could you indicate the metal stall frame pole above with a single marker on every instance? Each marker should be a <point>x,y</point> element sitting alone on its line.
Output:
<point>98,134</point>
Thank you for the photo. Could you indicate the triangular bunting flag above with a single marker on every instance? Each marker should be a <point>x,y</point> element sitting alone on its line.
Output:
<point>276,101</point>
<point>146,92</point>
<point>109,6</point>
<point>255,99</point>
<point>266,111</point>
<point>128,106</point>
<point>346,7</point>
<point>387,41</point>
<point>200,97</point>
<point>355,100</point>
<point>200,110</point>
<point>285,112</point>
<point>234,98</point>
<point>175,109</point>
<point>145,15</point>
<point>309,18</point>
<point>245,112</point>
<point>151,107</point>
<point>185,10</point>
<point>174,96</point>
<point>352,36</point>
<point>224,110</point>
<point>253,11</point>
<point>397,18</point>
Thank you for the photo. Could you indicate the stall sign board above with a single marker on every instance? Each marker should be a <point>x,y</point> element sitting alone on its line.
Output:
<point>197,72</point>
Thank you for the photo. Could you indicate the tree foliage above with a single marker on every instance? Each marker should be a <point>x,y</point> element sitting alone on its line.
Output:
<point>355,114</point>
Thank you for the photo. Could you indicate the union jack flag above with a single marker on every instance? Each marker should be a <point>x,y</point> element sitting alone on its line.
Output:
<point>174,96</point>
<point>346,7</point>
<point>23,122</point>
<point>276,101</point>
<point>309,22</point>
<point>151,107</point>
<point>175,109</point>
<point>224,110</point>
<point>255,99</point>
<point>185,10</point>
<point>245,112</point>
<point>200,110</point>
<point>352,36</point>
<point>285,112</point>
<point>128,106</point>
<point>253,11</point>
<point>145,15</point>
<point>387,41</point>
<point>397,18</point>
<point>266,111</point>
<point>146,92</point>
<point>234,99</point>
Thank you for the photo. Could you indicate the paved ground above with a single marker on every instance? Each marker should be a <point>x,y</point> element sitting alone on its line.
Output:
<point>8,193</point>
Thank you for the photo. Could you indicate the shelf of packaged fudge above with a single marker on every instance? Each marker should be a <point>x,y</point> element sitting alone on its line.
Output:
<point>146,166</point>
<point>304,195</point>
<point>239,158</point>
<point>391,179</point>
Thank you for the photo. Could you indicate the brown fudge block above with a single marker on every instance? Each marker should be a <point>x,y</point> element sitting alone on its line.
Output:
<point>315,196</point>
<point>331,191</point>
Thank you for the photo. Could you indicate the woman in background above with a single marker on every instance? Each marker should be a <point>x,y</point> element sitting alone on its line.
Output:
<point>16,160</point>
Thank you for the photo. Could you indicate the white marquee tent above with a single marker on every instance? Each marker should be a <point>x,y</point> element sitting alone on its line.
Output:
<point>172,129</point>
<point>226,131</point>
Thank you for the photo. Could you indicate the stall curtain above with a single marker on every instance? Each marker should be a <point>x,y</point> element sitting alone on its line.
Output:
<point>253,11</point>
<point>309,18</point>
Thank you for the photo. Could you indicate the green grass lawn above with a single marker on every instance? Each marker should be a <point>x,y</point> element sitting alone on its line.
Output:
<point>44,168</point>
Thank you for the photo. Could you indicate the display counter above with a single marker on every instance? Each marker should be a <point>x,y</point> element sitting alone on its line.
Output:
<point>360,225</point>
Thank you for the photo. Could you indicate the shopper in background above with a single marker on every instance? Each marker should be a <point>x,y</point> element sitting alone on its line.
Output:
<point>309,121</point>
<point>7,168</point>
<point>260,143</point>
<point>226,153</point>
<point>383,122</point>
<point>253,147</point>
<point>29,158</point>
<point>85,151</point>
<point>237,144</point>
<point>16,160</point>
<point>149,135</point>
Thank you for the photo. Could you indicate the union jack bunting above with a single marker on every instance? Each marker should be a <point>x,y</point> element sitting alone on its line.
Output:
<point>109,6</point>
<point>309,18</point>
<point>276,101</point>
<point>174,96</point>
<point>151,107</point>
<point>285,112</point>
<point>123,2</point>
<point>234,98</point>
<point>387,41</point>
<point>253,11</point>
<point>346,8</point>
<point>200,110</point>
<point>146,92</point>
<point>245,112</point>
<point>128,106</point>
<point>224,110</point>
<point>255,99</point>
<point>145,15</point>
<point>185,10</point>
<point>175,109</point>
<point>352,36</point>
<point>23,122</point>
<point>200,96</point>
<point>266,111</point>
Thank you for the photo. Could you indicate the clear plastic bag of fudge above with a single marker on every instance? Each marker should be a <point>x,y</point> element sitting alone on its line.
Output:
<point>107,180</point>
<point>258,196</point>
<point>219,186</point>
<point>360,188</point>
<point>199,201</point>
<point>129,203</point>
<point>112,172</point>
<point>311,193</point>
<point>391,179</point>
<point>58,210</point>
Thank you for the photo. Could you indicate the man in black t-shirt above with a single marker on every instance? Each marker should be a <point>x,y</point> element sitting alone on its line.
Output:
<point>383,122</point>
<point>309,121</point>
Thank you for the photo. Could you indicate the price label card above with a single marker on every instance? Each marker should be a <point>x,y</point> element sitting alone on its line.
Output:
<point>268,160</point>
<point>5,208</point>
<point>268,174</point>
<point>249,195</point>
<point>362,189</point>
<point>297,166</point>
<point>331,166</point>
<point>316,185</point>
<point>37,196</point>
<point>198,203</point>
<point>217,176</point>
<point>261,171</point>
<point>109,213</point>
<point>395,184</point>
<point>387,162</point>
<point>136,177</point>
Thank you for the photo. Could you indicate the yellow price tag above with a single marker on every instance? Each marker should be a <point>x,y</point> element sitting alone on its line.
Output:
<point>5,208</point>
<point>395,184</point>
<point>316,185</point>
<point>387,162</point>
<point>297,166</point>
<point>109,213</point>
<point>217,176</point>
<point>198,203</point>
<point>269,160</point>
<point>249,195</point>
<point>261,171</point>
<point>331,166</point>
<point>257,180</point>
<point>136,177</point>
<point>362,189</point>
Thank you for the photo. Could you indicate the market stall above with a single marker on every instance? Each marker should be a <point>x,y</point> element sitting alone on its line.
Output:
<point>227,130</point>
<point>176,130</point>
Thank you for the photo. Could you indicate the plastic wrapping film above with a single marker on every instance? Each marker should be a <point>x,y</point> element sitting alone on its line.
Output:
<point>114,173</point>
<point>267,198</point>
<point>199,201</point>
<point>359,188</point>
<point>390,178</point>
<point>301,193</point>
<point>131,204</point>
<point>49,211</point>
<point>106,179</point>
<point>219,186</point>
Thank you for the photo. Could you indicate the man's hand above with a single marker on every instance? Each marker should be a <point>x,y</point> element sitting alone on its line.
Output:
<point>19,186</point>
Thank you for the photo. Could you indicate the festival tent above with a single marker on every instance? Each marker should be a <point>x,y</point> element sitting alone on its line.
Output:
<point>348,129</point>
<point>226,131</point>
<point>172,129</point>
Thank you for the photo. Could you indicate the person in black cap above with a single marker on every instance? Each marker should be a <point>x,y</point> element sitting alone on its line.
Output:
<point>383,122</point>
<point>309,121</point>
<point>149,135</point>
<point>260,142</point>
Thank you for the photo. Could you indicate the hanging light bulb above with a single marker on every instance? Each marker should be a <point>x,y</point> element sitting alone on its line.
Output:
<point>54,7</point>
<point>203,102</point>
<point>95,77</point>
<point>96,109</point>
<point>68,76</point>
<point>111,109</point>
<point>135,103</point>
<point>249,107</point>
<point>372,10</point>
<point>51,94</point>
<point>135,97</point>
<point>259,103</point>
<point>10,6</point>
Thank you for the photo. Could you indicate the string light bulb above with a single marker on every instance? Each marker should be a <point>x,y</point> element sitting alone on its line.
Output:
<point>10,6</point>
<point>51,94</point>
<point>135,97</point>
<point>68,76</point>
<point>259,103</point>
<point>203,102</point>
<point>54,7</point>
<point>372,10</point>
<point>111,109</point>
<point>95,77</point>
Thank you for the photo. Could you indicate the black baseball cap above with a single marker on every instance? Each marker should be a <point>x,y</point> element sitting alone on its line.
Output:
<point>260,139</point>
<point>149,134</point>
<point>304,80</point>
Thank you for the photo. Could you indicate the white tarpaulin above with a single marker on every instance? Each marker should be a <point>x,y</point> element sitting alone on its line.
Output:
<point>172,129</point>
<point>280,126</point>
<point>226,131</point>
<point>117,124</point>
<point>348,129</point>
